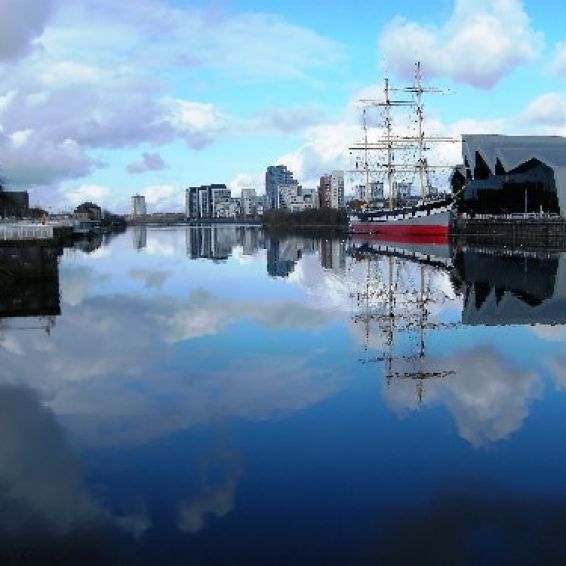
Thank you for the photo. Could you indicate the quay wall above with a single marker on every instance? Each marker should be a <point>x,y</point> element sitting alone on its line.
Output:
<point>545,232</point>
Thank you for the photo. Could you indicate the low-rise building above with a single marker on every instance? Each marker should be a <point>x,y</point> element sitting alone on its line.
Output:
<point>293,197</point>
<point>88,211</point>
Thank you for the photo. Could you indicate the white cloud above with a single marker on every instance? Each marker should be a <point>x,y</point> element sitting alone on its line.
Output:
<point>324,151</point>
<point>482,41</point>
<point>164,198</point>
<point>198,123</point>
<point>247,181</point>
<point>546,114</point>
<point>218,494</point>
<point>487,395</point>
<point>87,192</point>
<point>90,87</point>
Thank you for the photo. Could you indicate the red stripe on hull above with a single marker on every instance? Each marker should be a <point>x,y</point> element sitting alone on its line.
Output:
<point>425,234</point>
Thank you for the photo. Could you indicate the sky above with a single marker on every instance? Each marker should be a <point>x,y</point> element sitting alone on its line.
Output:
<point>100,100</point>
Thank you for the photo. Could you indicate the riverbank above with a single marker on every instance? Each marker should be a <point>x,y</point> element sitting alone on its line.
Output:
<point>536,231</point>
<point>309,219</point>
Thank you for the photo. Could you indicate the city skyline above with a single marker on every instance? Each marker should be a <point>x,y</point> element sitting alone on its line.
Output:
<point>187,93</point>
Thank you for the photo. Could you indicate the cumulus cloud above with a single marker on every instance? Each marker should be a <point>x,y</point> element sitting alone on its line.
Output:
<point>148,162</point>
<point>91,88</point>
<point>21,24</point>
<point>247,181</point>
<point>481,42</point>
<point>98,194</point>
<point>160,198</point>
<point>198,123</point>
<point>546,114</point>
<point>323,151</point>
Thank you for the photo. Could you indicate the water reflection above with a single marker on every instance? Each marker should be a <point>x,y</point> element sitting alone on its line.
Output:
<point>203,383</point>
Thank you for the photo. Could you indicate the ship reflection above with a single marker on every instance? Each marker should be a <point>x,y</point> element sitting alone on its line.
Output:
<point>412,293</point>
<point>398,306</point>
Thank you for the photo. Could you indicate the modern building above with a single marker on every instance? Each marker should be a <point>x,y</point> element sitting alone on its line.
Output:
<point>293,197</point>
<point>138,205</point>
<point>337,189</point>
<point>14,203</point>
<point>139,236</point>
<point>331,190</point>
<point>506,174</point>
<point>324,192</point>
<point>248,203</point>
<point>206,201</point>
<point>275,177</point>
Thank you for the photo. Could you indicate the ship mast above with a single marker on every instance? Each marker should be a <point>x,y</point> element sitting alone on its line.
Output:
<point>420,118</point>
<point>388,130</point>
<point>390,143</point>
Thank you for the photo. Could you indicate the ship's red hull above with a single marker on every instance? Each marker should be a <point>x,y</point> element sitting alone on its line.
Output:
<point>430,234</point>
<point>428,229</point>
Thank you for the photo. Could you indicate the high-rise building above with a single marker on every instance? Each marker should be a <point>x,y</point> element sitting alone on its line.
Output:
<point>337,189</point>
<point>276,176</point>
<point>206,201</point>
<point>331,190</point>
<point>324,192</point>
<point>248,202</point>
<point>138,205</point>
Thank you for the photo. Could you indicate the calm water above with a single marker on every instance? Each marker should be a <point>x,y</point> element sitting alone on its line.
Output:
<point>216,396</point>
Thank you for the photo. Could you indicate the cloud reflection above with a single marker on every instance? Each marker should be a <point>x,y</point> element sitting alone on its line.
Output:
<point>488,396</point>
<point>217,498</point>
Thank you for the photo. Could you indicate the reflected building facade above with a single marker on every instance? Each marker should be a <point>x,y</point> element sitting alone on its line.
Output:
<point>29,278</point>
<point>139,236</point>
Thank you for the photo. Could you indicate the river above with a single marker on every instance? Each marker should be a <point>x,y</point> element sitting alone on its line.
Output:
<point>215,395</point>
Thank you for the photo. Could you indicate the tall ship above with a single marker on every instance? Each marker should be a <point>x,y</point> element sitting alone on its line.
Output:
<point>394,159</point>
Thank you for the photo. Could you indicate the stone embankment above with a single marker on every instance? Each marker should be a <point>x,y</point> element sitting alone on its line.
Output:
<point>533,231</point>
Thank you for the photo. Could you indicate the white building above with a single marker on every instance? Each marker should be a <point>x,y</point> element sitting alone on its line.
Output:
<point>293,197</point>
<point>138,205</point>
<point>337,189</point>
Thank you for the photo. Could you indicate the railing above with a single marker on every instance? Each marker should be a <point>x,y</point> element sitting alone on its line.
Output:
<point>25,232</point>
<point>511,216</point>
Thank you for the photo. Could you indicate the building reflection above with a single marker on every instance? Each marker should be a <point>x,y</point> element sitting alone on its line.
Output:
<point>139,236</point>
<point>29,279</point>
<point>505,287</point>
<point>406,296</point>
<point>218,243</point>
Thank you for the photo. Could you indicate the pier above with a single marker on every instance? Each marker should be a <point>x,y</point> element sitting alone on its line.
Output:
<point>544,231</point>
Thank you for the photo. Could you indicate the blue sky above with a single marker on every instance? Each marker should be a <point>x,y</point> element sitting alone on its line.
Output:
<point>100,100</point>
